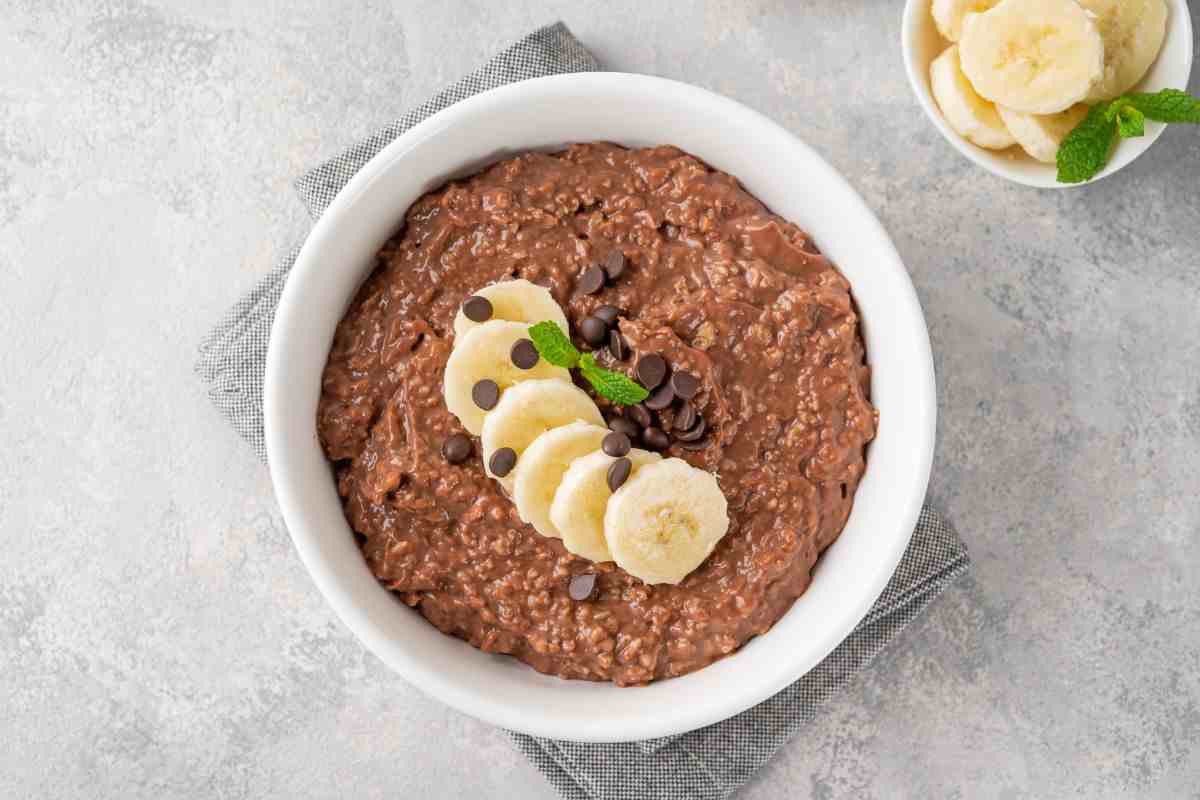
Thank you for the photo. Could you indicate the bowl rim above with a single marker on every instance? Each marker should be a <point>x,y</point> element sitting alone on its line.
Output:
<point>286,441</point>
<point>916,13</point>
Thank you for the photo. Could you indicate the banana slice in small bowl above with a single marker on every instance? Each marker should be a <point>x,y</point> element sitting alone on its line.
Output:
<point>541,468</point>
<point>517,300</point>
<point>581,499</point>
<point>1037,65</point>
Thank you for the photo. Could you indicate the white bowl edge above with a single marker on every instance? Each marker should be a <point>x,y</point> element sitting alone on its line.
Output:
<point>535,115</point>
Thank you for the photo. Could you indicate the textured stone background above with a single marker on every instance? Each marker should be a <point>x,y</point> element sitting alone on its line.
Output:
<point>158,636</point>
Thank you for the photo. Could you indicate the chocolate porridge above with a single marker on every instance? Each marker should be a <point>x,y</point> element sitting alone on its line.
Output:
<point>712,281</point>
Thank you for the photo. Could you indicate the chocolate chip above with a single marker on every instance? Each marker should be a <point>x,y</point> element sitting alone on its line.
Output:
<point>618,473</point>
<point>477,309</point>
<point>592,279</point>
<point>615,444</point>
<point>685,385</point>
<point>655,439</point>
<point>640,416</point>
<point>581,587</point>
<point>614,265</point>
<point>685,417</point>
<point>457,448</point>
<point>618,348</point>
<point>625,426</point>
<point>660,398</point>
<point>699,444</point>
<point>485,393</point>
<point>502,461</point>
<point>607,313</point>
<point>524,355</point>
<point>651,369</point>
<point>594,331</point>
<point>693,433</point>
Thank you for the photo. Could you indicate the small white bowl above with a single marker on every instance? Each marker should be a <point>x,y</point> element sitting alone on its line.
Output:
<point>783,172</point>
<point>922,43</point>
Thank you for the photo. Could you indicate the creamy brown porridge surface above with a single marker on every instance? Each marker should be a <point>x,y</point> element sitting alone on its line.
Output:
<point>718,285</point>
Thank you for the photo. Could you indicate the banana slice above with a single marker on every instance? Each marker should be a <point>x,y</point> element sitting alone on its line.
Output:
<point>1040,135</point>
<point>485,352</point>
<point>665,521</point>
<point>541,468</point>
<point>581,499</point>
<point>1035,56</point>
<point>948,15</point>
<point>971,117</point>
<point>526,411</point>
<point>1133,33</point>
<point>515,301</point>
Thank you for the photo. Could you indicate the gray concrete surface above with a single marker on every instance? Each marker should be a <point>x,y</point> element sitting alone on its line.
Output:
<point>159,637</point>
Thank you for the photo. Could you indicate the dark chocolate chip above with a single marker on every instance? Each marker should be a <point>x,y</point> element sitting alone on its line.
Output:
<point>655,439</point>
<point>640,416</point>
<point>651,369</point>
<point>693,433</point>
<point>607,313</point>
<point>685,417</point>
<point>594,331</point>
<point>625,426</point>
<point>592,279</point>
<point>614,265</point>
<point>660,398</point>
<point>618,348</point>
<point>615,444</point>
<point>581,587</point>
<point>699,444</point>
<point>477,309</point>
<point>524,355</point>
<point>485,393</point>
<point>457,448</point>
<point>685,385</point>
<point>618,473</point>
<point>502,461</point>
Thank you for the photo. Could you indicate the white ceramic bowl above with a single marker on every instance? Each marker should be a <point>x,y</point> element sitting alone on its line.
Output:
<point>922,43</point>
<point>790,178</point>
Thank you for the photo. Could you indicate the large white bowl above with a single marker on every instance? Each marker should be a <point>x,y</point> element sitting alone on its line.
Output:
<point>790,178</point>
<point>921,43</point>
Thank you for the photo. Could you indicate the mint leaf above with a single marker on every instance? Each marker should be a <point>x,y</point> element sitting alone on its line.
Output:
<point>1131,123</point>
<point>1085,150</point>
<point>1169,105</point>
<point>553,345</point>
<point>616,386</point>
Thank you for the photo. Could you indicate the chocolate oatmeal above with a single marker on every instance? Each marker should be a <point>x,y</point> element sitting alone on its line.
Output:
<point>709,283</point>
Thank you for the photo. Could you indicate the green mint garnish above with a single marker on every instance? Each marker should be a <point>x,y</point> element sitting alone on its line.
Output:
<point>616,386</point>
<point>1086,149</point>
<point>1169,105</point>
<point>553,345</point>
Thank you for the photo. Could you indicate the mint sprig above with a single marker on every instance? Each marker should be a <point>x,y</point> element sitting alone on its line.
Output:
<point>1085,150</point>
<point>616,386</point>
<point>554,346</point>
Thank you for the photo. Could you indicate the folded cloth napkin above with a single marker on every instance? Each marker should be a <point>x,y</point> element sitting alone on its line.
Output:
<point>706,764</point>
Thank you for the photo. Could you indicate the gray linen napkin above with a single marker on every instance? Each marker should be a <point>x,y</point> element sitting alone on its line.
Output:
<point>707,764</point>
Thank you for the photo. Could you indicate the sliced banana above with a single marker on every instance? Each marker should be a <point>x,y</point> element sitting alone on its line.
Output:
<point>665,521</point>
<point>486,352</point>
<point>1133,33</point>
<point>541,468</point>
<point>581,499</point>
<point>948,15</point>
<point>516,301</point>
<point>1035,56</point>
<point>529,409</point>
<point>1041,134</point>
<point>971,117</point>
